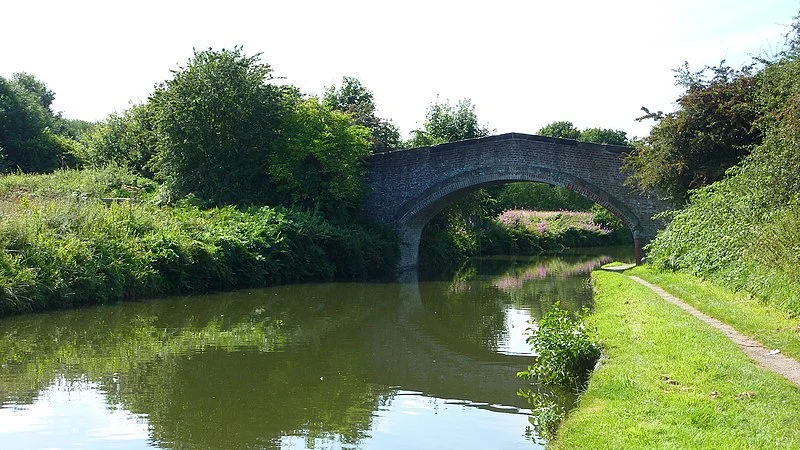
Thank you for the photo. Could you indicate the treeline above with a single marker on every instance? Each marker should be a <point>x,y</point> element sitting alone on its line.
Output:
<point>729,157</point>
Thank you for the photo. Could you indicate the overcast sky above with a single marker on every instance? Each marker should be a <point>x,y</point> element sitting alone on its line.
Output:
<point>523,63</point>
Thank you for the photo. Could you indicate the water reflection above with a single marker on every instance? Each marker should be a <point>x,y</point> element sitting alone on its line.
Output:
<point>309,366</point>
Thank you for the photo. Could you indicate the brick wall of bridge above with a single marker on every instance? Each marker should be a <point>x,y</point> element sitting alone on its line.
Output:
<point>409,187</point>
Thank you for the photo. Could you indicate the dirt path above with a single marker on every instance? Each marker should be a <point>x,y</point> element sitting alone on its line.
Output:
<point>770,359</point>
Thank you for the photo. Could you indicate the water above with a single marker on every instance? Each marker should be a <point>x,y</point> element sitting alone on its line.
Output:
<point>417,365</point>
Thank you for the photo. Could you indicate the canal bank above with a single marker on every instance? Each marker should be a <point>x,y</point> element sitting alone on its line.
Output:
<point>671,381</point>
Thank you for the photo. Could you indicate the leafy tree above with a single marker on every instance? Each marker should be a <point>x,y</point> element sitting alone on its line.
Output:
<point>713,129</point>
<point>560,129</point>
<point>319,162</point>
<point>357,101</point>
<point>33,86</point>
<point>27,137</point>
<point>604,136</point>
<point>448,123</point>
<point>217,120</point>
<point>220,131</point>
<point>566,130</point>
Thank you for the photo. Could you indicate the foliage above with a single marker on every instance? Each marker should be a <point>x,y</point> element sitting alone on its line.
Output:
<point>560,129</point>
<point>742,231</point>
<point>565,350</point>
<point>604,136</point>
<point>217,121</point>
<point>565,355</point>
<point>534,232</point>
<point>355,99</point>
<point>128,140</point>
<point>219,132</point>
<point>566,130</point>
<point>319,161</point>
<point>538,196</point>
<point>28,126</point>
<point>712,130</point>
<point>63,250</point>
<point>445,122</point>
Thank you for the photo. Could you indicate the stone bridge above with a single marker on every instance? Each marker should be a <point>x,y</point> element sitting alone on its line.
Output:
<point>409,187</point>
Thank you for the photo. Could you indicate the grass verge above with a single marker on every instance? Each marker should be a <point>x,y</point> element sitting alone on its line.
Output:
<point>672,382</point>
<point>772,327</point>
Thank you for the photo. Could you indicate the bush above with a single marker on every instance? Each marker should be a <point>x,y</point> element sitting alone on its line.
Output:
<point>565,351</point>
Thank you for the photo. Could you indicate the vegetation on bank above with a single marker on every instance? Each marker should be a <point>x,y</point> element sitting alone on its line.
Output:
<point>566,351</point>
<point>739,129</point>
<point>519,232</point>
<point>670,381</point>
<point>64,246</point>
<point>221,179</point>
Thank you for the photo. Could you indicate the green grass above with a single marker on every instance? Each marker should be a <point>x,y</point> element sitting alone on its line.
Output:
<point>62,245</point>
<point>772,327</point>
<point>672,382</point>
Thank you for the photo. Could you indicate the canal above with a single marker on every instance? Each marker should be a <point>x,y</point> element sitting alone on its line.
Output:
<point>427,364</point>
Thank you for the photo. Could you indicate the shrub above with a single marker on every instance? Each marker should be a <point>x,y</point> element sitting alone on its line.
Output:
<point>565,351</point>
<point>565,355</point>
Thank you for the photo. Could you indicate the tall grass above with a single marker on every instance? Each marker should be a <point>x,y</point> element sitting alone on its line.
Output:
<point>64,246</point>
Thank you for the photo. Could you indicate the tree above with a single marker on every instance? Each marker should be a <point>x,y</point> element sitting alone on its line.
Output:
<point>27,125</point>
<point>356,100</point>
<point>319,161</point>
<point>33,86</point>
<point>560,129</point>
<point>217,120</point>
<point>604,136</point>
<point>220,131</point>
<point>448,123</point>
<point>128,139</point>
<point>712,130</point>
<point>566,130</point>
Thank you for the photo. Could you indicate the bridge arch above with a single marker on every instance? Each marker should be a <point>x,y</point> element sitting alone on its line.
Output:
<point>410,187</point>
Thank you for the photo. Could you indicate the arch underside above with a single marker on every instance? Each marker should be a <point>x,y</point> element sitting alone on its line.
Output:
<point>417,212</point>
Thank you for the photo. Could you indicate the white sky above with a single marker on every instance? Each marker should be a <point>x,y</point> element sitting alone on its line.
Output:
<point>523,63</point>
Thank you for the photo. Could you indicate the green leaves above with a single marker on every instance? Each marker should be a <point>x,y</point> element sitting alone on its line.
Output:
<point>27,125</point>
<point>566,351</point>
<point>448,123</point>
<point>712,130</point>
<point>216,123</point>
<point>319,160</point>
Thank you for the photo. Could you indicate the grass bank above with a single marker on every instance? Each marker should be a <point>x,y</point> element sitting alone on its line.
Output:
<point>77,238</point>
<point>670,381</point>
<point>773,327</point>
